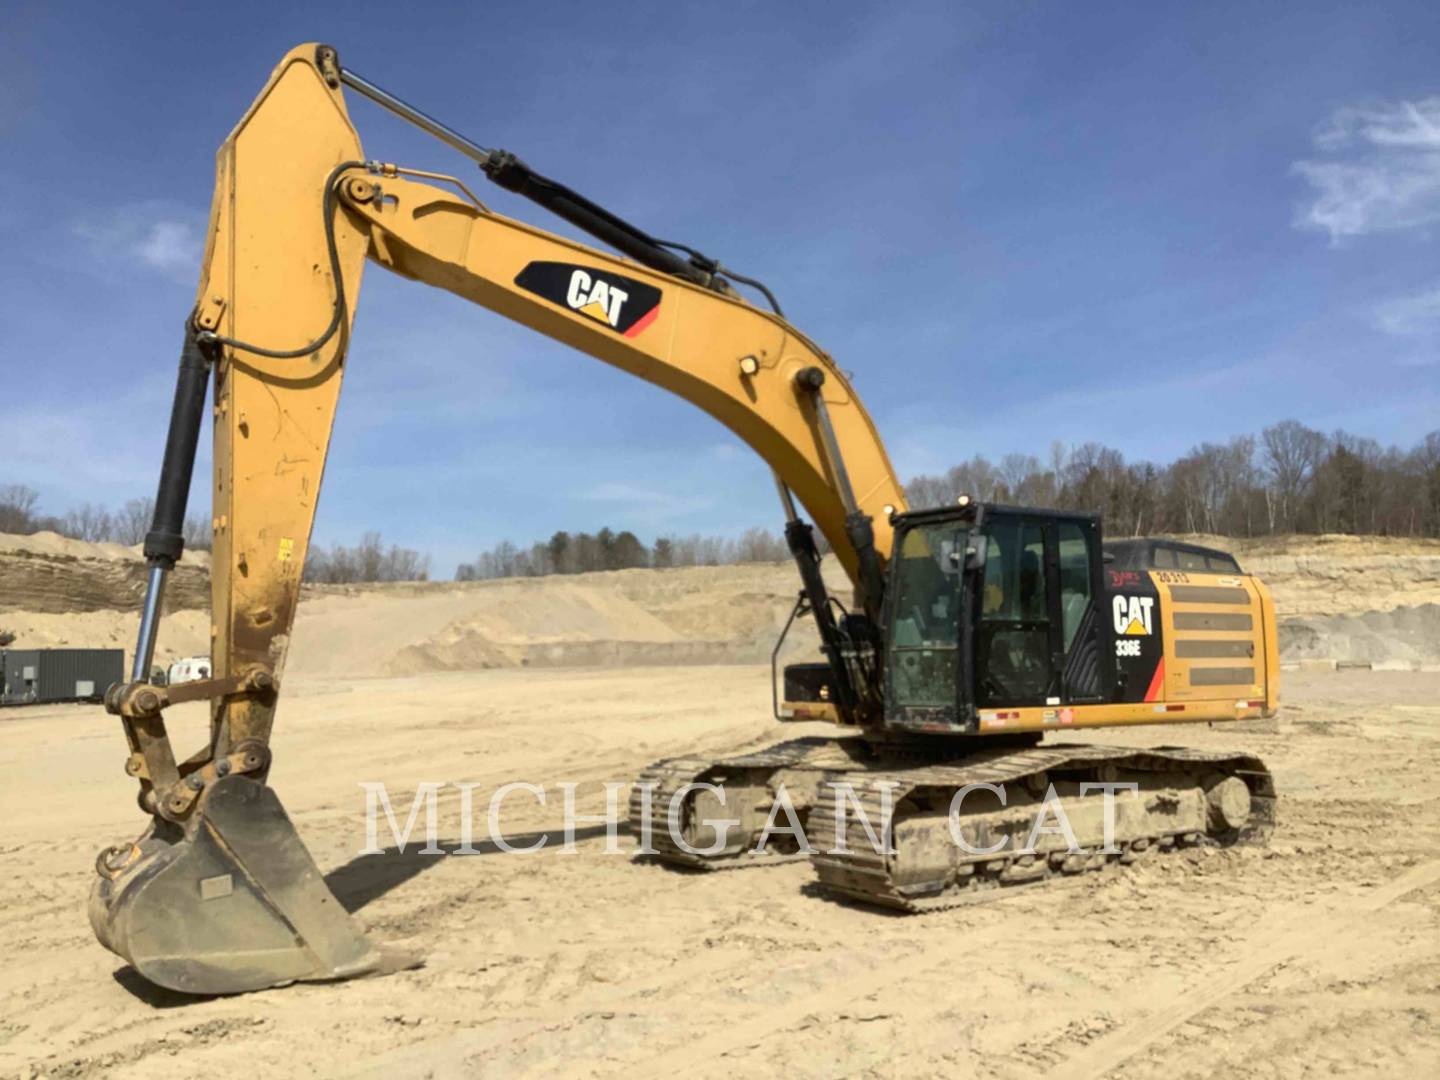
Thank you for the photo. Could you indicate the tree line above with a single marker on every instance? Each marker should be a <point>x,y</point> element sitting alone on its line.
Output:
<point>97,524</point>
<point>581,552</point>
<point>369,560</point>
<point>1289,479</point>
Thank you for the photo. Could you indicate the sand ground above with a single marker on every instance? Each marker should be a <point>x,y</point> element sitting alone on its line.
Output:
<point>1318,955</point>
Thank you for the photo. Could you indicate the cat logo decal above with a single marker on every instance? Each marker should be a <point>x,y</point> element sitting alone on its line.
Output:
<point>623,304</point>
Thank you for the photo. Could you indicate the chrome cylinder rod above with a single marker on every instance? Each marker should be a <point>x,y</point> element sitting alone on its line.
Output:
<point>787,500</point>
<point>445,134</point>
<point>812,379</point>
<point>149,624</point>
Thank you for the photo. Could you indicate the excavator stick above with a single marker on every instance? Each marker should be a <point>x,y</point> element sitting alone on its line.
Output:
<point>219,895</point>
<point>229,902</point>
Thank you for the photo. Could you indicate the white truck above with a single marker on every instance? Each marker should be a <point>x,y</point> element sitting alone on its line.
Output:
<point>189,669</point>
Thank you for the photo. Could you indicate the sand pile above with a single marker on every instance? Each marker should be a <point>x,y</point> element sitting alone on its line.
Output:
<point>56,592</point>
<point>689,616</point>
<point>59,592</point>
<point>50,573</point>
<point>1405,636</point>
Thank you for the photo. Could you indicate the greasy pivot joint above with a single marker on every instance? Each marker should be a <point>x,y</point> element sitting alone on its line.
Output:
<point>360,190</point>
<point>328,61</point>
<point>137,700</point>
<point>810,378</point>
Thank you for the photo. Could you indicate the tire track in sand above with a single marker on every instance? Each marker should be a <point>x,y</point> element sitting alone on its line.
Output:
<point>1113,1050</point>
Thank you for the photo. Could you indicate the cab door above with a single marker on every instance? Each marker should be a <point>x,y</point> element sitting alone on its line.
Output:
<point>1040,638</point>
<point>1015,633</point>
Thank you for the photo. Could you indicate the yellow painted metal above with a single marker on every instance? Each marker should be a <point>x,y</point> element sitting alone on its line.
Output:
<point>1063,718</point>
<point>1190,672</point>
<point>1270,638</point>
<point>266,272</point>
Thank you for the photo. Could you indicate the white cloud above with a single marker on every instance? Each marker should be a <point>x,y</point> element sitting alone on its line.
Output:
<point>629,493</point>
<point>1380,172</point>
<point>1410,316</point>
<point>161,236</point>
<point>170,246</point>
<point>645,507</point>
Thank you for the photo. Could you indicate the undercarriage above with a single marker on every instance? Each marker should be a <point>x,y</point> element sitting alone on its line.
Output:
<point>920,826</point>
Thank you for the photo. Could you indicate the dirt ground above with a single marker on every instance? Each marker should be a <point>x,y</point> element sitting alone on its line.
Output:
<point>1318,955</point>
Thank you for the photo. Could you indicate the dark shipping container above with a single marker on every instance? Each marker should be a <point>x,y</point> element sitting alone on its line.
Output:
<point>40,676</point>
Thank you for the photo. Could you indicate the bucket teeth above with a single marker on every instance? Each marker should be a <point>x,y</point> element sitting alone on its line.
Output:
<point>230,903</point>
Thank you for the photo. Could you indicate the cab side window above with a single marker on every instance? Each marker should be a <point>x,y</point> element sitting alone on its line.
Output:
<point>1074,580</point>
<point>1015,574</point>
<point>1191,560</point>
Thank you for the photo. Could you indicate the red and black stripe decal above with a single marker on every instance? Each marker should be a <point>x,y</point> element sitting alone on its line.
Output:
<point>1156,689</point>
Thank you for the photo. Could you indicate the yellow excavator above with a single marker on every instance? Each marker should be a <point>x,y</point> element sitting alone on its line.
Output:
<point>973,630</point>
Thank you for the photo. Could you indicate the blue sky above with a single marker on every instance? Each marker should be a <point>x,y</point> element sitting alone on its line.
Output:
<point>1146,225</point>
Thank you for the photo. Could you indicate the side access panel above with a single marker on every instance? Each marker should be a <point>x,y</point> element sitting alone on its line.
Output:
<point>1215,645</point>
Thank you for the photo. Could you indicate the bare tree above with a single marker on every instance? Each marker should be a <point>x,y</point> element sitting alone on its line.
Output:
<point>17,508</point>
<point>90,522</point>
<point>367,561</point>
<point>199,536</point>
<point>760,545</point>
<point>1291,453</point>
<point>133,521</point>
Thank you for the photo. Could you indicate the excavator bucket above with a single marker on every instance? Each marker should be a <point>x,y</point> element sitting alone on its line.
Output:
<point>229,902</point>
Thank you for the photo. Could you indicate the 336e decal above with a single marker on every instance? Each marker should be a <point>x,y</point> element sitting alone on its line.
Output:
<point>625,305</point>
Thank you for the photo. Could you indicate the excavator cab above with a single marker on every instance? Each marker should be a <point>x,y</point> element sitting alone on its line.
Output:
<point>992,607</point>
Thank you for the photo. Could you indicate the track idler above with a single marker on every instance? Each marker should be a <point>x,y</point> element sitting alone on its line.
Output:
<point>228,901</point>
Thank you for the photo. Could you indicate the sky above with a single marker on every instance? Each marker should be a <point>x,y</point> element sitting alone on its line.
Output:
<point>1012,223</point>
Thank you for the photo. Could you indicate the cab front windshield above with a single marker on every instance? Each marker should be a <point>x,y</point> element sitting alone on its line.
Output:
<point>925,619</point>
